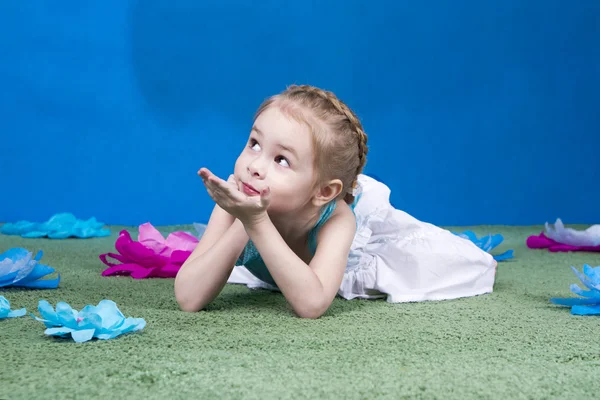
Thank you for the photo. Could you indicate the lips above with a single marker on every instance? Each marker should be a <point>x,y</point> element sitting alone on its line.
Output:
<point>250,190</point>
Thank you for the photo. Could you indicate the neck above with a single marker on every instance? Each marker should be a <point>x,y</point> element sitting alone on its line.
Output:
<point>294,227</point>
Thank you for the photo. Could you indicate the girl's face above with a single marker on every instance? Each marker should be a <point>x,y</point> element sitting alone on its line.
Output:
<point>279,154</point>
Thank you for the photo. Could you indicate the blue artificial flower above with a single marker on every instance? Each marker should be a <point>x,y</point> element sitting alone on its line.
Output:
<point>59,226</point>
<point>19,268</point>
<point>104,321</point>
<point>589,304</point>
<point>5,311</point>
<point>487,243</point>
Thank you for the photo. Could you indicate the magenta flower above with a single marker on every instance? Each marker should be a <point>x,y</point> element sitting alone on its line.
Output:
<point>152,256</point>
<point>562,239</point>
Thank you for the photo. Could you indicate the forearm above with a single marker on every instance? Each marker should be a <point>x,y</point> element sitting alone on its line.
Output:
<point>297,281</point>
<point>202,277</point>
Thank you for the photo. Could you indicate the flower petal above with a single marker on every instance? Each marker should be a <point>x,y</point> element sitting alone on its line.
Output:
<point>17,313</point>
<point>504,256</point>
<point>4,303</point>
<point>574,301</point>
<point>15,264</point>
<point>5,311</point>
<point>137,252</point>
<point>47,312</point>
<point>585,293</point>
<point>593,273</point>
<point>586,310</point>
<point>487,243</point>
<point>89,320</point>
<point>118,257</point>
<point>584,279</point>
<point>41,284</point>
<point>181,241</point>
<point>111,316</point>
<point>39,271</point>
<point>66,315</point>
<point>129,325</point>
<point>142,273</point>
<point>82,335</point>
<point>168,271</point>
<point>147,232</point>
<point>59,331</point>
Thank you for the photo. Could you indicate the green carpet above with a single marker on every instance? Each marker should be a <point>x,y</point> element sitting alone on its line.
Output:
<point>511,344</point>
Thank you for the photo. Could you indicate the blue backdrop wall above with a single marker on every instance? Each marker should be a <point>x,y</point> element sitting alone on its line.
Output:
<point>477,112</point>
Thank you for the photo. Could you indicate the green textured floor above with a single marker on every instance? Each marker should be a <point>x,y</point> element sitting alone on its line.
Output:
<point>512,344</point>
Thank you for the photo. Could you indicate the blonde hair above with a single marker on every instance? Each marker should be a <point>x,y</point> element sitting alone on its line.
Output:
<point>339,140</point>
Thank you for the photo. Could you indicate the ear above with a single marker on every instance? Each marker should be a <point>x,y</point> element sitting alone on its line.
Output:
<point>327,192</point>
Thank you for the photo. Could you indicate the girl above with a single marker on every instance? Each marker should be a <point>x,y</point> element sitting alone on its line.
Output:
<point>298,216</point>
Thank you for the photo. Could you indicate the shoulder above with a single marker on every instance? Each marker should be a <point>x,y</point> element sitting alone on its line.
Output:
<point>340,227</point>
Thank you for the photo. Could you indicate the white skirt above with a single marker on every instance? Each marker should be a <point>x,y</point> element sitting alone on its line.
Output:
<point>399,258</point>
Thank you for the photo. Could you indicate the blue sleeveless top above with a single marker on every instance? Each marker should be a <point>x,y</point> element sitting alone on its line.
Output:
<point>254,262</point>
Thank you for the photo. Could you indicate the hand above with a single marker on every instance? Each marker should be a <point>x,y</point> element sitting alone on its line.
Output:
<point>226,194</point>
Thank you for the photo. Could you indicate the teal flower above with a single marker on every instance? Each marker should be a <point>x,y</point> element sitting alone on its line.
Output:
<point>6,312</point>
<point>59,226</point>
<point>104,321</point>
<point>18,267</point>
<point>589,303</point>
<point>487,243</point>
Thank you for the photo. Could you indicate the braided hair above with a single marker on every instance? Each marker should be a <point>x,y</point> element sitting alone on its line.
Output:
<point>339,139</point>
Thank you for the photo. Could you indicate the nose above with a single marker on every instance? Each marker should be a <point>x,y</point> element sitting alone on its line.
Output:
<point>257,168</point>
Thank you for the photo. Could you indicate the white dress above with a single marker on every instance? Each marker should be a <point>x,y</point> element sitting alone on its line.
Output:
<point>399,258</point>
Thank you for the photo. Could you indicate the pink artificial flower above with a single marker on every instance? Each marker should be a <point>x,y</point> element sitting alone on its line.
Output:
<point>151,256</point>
<point>542,242</point>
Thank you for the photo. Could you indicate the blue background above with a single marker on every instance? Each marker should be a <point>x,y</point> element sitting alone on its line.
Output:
<point>477,112</point>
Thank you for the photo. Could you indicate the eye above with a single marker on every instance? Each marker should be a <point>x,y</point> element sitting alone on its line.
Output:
<point>254,145</point>
<point>281,160</point>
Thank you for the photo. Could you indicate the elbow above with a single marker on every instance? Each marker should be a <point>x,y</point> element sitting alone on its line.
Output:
<point>188,306</point>
<point>184,301</point>
<point>311,310</point>
<point>309,314</point>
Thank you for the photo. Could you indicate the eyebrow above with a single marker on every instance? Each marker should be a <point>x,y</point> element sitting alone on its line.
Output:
<point>288,149</point>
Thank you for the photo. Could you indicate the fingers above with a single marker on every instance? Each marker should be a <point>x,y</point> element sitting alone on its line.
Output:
<point>227,193</point>
<point>265,197</point>
<point>208,177</point>
<point>219,189</point>
<point>204,173</point>
<point>219,183</point>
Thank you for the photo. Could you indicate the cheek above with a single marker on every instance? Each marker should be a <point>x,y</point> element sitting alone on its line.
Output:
<point>239,165</point>
<point>290,186</point>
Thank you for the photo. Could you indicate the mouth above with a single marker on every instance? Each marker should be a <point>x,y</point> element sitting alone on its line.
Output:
<point>249,190</point>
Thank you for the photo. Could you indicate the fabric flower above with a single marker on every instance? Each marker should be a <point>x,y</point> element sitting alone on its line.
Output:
<point>19,268</point>
<point>573,237</point>
<point>589,303</point>
<point>564,239</point>
<point>59,226</point>
<point>487,243</point>
<point>151,256</point>
<point>104,321</point>
<point>6,312</point>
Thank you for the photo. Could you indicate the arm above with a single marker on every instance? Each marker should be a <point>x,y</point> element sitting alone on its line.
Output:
<point>205,272</point>
<point>309,289</point>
